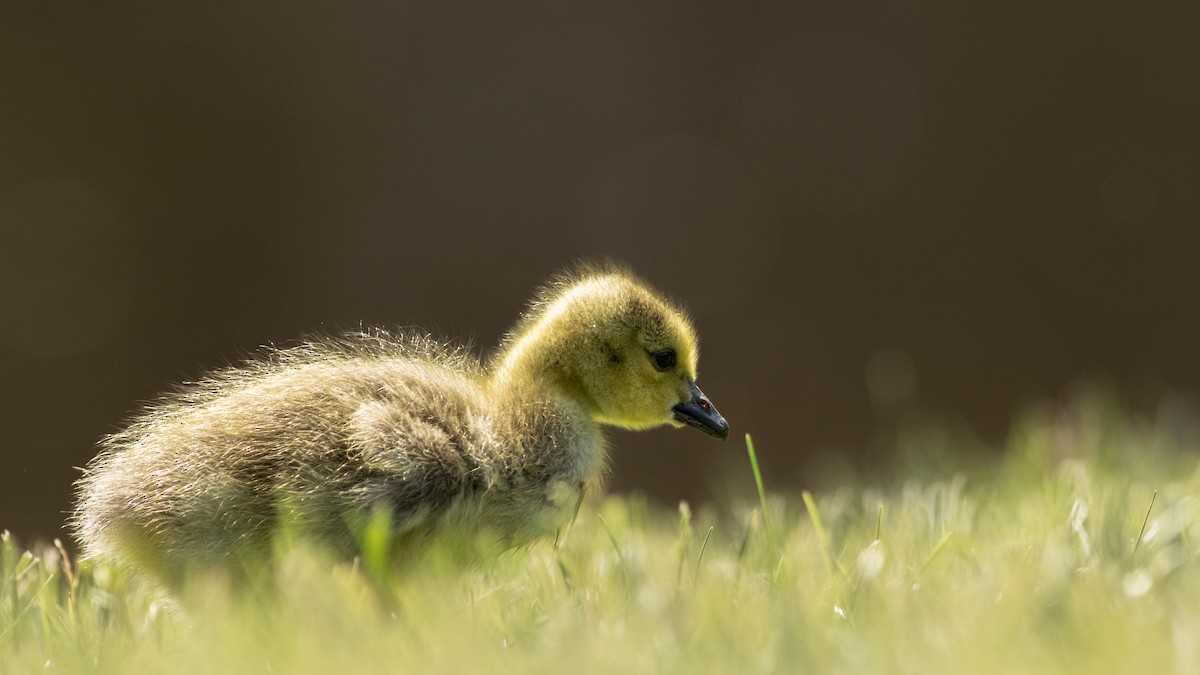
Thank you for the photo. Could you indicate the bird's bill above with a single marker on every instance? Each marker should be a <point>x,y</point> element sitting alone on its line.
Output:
<point>700,413</point>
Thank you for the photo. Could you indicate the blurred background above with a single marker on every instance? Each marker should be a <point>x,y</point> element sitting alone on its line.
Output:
<point>876,211</point>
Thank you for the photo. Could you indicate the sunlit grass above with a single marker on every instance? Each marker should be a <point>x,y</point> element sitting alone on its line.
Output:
<point>1049,558</point>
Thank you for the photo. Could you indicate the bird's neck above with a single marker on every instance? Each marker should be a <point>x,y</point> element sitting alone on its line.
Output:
<point>531,356</point>
<point>531,365</point>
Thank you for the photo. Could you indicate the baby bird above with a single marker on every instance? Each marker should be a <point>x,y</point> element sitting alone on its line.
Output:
<point>318,435</point>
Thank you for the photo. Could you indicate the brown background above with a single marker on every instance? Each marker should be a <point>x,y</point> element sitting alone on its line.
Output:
<point>871,208</point>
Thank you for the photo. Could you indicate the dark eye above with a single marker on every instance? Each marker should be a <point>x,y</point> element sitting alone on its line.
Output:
<point>664,360</point>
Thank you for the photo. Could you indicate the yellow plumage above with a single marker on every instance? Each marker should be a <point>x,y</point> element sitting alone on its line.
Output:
<point>322,434</point>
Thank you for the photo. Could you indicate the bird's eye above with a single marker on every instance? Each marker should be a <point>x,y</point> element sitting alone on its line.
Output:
<point>664,360</point>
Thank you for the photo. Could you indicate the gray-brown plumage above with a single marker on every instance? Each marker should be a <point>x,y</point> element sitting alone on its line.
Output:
<point>319,435</point>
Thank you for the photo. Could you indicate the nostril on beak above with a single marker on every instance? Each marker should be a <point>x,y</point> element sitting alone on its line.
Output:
<point>699,412</point>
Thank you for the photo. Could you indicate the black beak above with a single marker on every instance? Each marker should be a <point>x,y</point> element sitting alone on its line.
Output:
<point>700,413</point>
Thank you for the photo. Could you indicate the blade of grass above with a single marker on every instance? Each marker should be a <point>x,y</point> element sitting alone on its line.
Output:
<point>28,606</point>
<point>755,518</point>
<point>612,538</point>
<point>1145,520</point>
<point>762,494</point>
<point>375,544</point>
<point>813,515</point>
<point>560,537</point>
<point>937,548</point>
<point>684,541</point>
<point>703,546</point>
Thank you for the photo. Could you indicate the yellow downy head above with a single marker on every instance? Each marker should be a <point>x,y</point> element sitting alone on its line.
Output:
<point>606,340</point>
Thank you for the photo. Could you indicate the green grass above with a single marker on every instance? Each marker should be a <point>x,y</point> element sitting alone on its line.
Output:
<point>1026,562</point>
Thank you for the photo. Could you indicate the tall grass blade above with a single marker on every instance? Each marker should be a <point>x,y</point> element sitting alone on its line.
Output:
<point>703,547</point>
<point>1142,532</point>
<point>762,493</point>
<point>815,516</point>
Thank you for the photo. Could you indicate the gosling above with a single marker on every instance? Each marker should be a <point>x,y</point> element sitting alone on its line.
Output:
<point>319,435</point>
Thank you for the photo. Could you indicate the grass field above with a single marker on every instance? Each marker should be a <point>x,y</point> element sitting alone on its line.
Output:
<point>1030,560</point>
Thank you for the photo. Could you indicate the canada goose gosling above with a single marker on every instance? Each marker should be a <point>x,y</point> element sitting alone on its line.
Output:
<point>320,434</point>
